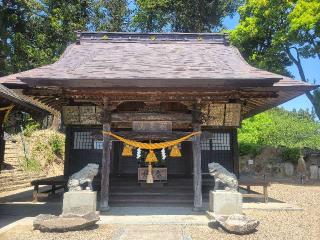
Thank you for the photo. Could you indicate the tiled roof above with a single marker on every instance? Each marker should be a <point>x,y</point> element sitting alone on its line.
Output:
<point>149,60</point>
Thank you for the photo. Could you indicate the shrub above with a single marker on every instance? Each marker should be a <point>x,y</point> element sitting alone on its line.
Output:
<point>249,149</point>
<point>47,146</point>
<point>31,165</point>
<point>30,128</point>
<point>290,154</point>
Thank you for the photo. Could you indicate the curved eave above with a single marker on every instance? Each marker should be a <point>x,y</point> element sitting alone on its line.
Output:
<point>151,82</point>
<point>285,94</point>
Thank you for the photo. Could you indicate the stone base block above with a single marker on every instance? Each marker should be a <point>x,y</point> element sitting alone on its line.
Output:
<point>79,202</point>
<point>225,202</point>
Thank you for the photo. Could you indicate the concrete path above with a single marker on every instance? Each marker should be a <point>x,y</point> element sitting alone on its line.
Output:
<point>153,215</point>
<point>173,232</point>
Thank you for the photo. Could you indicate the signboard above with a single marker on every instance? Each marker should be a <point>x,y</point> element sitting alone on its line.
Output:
<point>158,174</point>
<point>151,126</point>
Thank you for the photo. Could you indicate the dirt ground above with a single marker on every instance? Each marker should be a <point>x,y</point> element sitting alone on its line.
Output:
<point>273,224</point>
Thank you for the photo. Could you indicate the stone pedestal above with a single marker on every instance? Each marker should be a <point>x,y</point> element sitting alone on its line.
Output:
<point>225,202</point>
<point>79,202</point>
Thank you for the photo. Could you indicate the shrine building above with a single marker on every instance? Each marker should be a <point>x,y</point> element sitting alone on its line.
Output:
<point>119,93</point>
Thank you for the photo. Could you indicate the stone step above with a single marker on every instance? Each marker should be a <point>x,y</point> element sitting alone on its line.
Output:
<point>10,171</point>
<point>14,187</point>
<point>19,178</point>
<point>151,200</point>
<point>16,173</point>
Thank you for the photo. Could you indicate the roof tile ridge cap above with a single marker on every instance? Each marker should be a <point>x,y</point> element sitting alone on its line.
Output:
<point>66,51</point>
<point>236,50</point>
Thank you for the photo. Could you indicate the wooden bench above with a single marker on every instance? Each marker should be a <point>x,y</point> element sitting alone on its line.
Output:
<point>56,183</point>
<point>251,182</point>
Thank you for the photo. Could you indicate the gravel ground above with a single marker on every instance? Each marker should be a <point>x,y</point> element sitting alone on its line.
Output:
<point>278,224</point>
<point>273,224</point>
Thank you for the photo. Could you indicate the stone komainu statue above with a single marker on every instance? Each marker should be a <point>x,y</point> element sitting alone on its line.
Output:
<point>85,175</point>
<point>223,176</point>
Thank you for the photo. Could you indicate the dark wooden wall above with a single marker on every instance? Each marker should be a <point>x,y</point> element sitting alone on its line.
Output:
<point>76,159</point>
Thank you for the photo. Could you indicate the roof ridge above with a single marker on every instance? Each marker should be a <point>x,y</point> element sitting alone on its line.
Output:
<point>218,38</point>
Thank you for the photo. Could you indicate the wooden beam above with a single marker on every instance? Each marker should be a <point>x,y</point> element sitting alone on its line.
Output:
<point>106,160</point>
<point>140,136</point>
<point>129,117</point>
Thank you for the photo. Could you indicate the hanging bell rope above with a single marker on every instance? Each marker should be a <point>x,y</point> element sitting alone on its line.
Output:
<point>151,146</point>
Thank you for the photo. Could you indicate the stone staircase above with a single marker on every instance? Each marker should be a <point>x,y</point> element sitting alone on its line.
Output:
<point>176,192</point>
<point>13,177</point>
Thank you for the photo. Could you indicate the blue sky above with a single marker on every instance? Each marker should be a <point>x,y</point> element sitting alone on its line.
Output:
<point>311,67</point>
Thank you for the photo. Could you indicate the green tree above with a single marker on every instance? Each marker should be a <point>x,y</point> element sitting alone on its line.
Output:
<point>34,33</point>
<point>182,15</point>
<point>15,17</point>
<point>274,34</point>
<point>270,128</point>
<point>108,15</point>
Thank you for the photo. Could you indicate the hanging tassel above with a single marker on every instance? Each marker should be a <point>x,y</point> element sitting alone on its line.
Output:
<point>175,151</point>
<point>163,154</point>
<point>138,153</point>
<point>127,151</point>
<point>151,157</point>
<point>149,176</point>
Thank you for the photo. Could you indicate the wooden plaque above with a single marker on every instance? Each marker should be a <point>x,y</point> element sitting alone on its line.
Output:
<point>233,115</point>
<point>158,174</point>
<point>88,115</point>
<point>216,114</point>
<point>152,126</point>
<point>70,115</point>
<point>85,115</point>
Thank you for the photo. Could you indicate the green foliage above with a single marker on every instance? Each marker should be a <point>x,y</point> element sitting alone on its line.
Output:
<point>30,128</point>
<point>47,146</point>
<point>290,154</point>
<point>182,16</point>
<point>274,34</point>
<point>31,165</point>
<point>56,142</point>
<point>112,15</point>
<point>34,33</point>
<point>249,149</point>
<point>279,128</point>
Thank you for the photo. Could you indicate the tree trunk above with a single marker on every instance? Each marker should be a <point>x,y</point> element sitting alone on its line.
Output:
<point>298,64</point>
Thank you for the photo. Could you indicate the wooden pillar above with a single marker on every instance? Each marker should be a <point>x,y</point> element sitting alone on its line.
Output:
<point>197,177</point>
<point>196,149</point>
<point>2,141</point>
<point>68,145</point>
<point>106,159</point>
<point>235,152</point>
